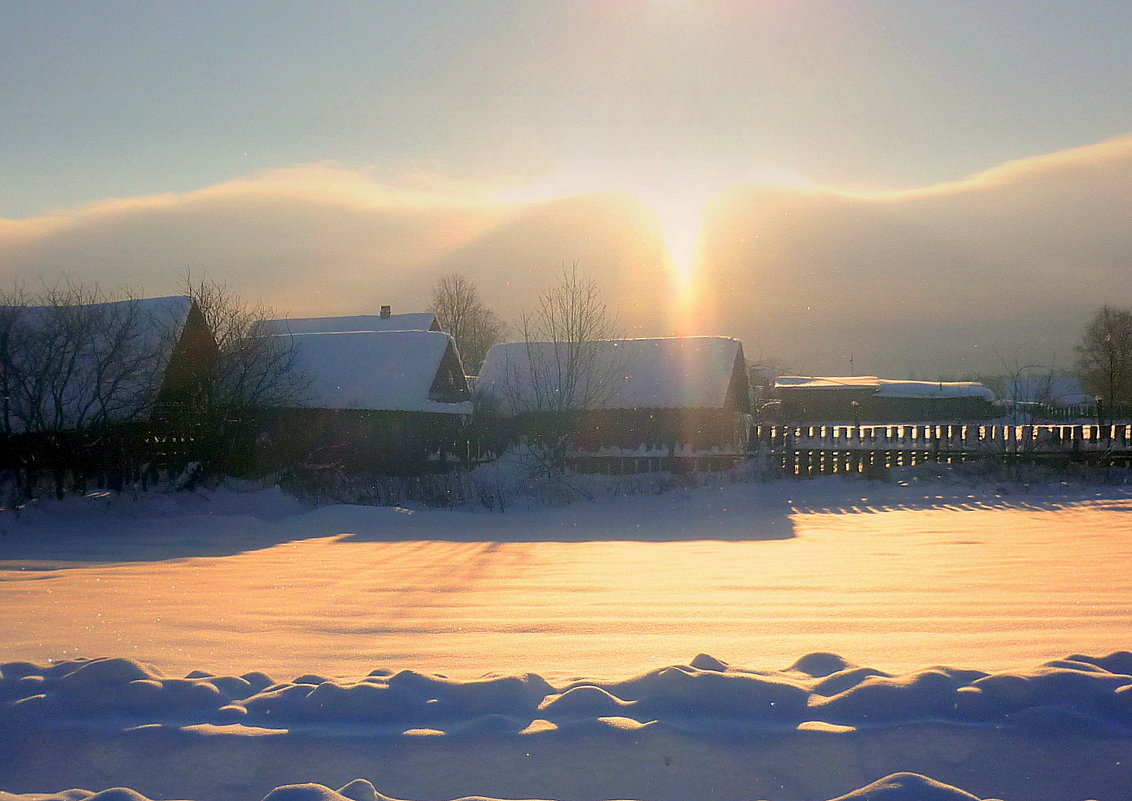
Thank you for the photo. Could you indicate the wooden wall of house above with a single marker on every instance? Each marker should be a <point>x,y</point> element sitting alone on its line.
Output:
<point>383,441</point>
<point>629,429</point>
<point>898,410</point>
<point>837,405</point>
<point>186,375</point>
<point>700,429</point>
<point>738,396</point>
<point>806,405</point>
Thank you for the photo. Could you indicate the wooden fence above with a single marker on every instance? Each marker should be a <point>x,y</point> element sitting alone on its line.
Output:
<point>1051,413</point>
<point>824,449</point>
<point>64,462</point>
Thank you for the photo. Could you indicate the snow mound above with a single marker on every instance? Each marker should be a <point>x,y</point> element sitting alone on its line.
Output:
<point>1078,692</point>
<point>897,787</point>
<point>357,790</point>
<point>908,787</point>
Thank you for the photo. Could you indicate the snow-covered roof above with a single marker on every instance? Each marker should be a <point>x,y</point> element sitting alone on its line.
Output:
<point>867,382</point>
<point>933,389</point>
<point>1054,391</point>
<point>417,321</point>
<point>887,387</point>
<point>157,317</point>
<point>376,370</point>
<point>665,373</point>
<point>99,362</point>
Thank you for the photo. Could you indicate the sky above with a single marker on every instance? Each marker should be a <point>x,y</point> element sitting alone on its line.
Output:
<point>942,185</point>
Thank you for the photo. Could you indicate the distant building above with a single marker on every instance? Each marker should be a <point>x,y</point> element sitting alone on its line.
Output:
<point>381,400</point>
<point>682,397</point>
<point>872,399</point>
<point>1055,392</point>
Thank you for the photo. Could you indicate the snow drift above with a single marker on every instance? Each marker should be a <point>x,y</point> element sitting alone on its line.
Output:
<point>820,691</point>
<point>705,730</point>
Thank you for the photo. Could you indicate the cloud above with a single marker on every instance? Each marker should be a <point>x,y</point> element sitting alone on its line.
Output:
<point>949,279</point>
<point>1091,157</point>
<point>312,238</point>
<point>942,280</point>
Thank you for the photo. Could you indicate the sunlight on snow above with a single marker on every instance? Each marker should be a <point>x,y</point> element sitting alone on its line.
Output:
<point>893,589</point>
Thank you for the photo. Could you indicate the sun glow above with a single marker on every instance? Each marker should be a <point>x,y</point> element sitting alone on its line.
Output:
<point>679,201</point>
<point>680,207</point>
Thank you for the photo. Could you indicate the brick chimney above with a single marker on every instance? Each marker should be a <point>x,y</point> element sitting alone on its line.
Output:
<point>386,312</point>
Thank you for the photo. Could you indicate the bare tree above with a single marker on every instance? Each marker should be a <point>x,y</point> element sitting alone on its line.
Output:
<point>1104,357</point>
<point>254,368</point>
<point>569,365</point>
<point>76,364</point>
<point>13,307</point>
<point>565,337</point>
<point>76,358</point>
<point>462,314</point>
<point>1024,388</point>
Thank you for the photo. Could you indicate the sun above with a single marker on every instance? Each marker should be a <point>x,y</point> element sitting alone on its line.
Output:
<point>679,200</point>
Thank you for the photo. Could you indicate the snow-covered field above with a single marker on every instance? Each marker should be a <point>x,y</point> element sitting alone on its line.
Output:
<point>241,641</point>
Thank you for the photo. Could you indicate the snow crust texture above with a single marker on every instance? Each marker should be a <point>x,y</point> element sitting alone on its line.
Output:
<point>1078,692</point>
<point>897,787</point>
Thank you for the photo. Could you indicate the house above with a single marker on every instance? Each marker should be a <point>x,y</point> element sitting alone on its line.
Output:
<point>89,366</point>
<point>100,394</point>
<point>377,400</point>
<point>1049,391</point>
<point>386,321</point>
<point>637,399</point>
<point>872,399</point>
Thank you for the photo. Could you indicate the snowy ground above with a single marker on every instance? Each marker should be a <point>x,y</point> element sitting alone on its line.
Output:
<point>1001,584</point>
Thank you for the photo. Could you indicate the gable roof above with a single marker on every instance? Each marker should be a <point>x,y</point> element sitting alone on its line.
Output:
<point>115,355</point>
<point>157,317</point>
<point>406,371</point>
<point>662,373</point>
<point>417,321</point>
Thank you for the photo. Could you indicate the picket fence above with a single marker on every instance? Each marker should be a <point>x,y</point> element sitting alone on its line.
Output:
<point>806,450</point>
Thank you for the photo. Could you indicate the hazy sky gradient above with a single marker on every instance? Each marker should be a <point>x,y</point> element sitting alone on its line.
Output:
<point>124,98</point>
<point>301,150</point>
